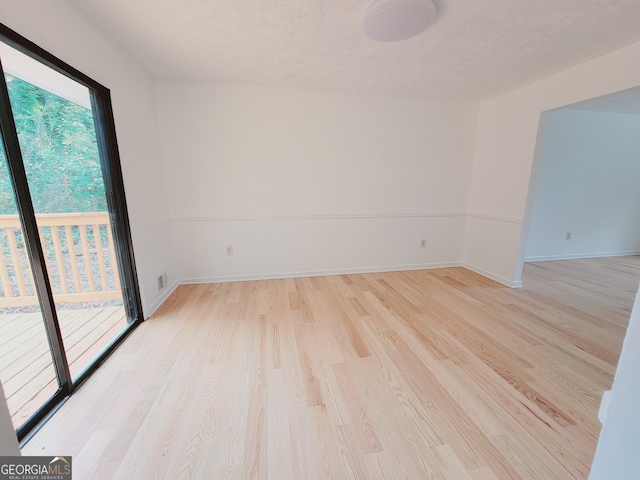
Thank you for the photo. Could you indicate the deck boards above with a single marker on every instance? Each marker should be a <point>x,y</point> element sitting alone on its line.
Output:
<point>437,374</point>
<point>26,368</point>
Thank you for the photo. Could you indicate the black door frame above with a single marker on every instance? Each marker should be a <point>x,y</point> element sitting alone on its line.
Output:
<point>118,214</point>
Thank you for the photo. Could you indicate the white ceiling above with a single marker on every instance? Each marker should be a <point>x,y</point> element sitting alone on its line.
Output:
<point>476,49</point>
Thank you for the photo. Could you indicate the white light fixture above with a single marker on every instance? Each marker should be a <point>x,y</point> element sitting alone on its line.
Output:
<point>395,20</point>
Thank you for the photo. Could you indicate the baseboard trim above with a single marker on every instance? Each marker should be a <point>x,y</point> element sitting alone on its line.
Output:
<point>315,273</point>
<point>498,278</point>
<point>321,273</point>
<point>574,256</point>
<point>160,300</point>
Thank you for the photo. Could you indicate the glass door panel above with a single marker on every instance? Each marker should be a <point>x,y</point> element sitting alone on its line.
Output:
<point>68,288</point>
<point>26,367</point>
<point>56,131</point>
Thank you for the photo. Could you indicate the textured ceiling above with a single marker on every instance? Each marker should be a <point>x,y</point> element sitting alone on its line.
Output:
<point>476,48</point>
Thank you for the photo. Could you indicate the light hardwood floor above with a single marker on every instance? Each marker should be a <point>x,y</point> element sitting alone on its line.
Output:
<point>437,374</point>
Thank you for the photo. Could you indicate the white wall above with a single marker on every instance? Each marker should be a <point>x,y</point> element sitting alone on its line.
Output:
<point>587,185</point>
<point>617,453</point>
<point>499,201</point>
<point>500,204</point>
<point>8,439</point>
<point>303,182</point>
<point>62,30</point>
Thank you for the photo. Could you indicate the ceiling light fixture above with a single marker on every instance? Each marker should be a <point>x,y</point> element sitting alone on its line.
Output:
<point>395,20</point>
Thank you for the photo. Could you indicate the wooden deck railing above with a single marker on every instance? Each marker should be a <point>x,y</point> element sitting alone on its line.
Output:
<point>79,254</point>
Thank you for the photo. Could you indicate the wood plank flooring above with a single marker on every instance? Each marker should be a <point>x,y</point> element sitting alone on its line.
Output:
<point>433,374</point>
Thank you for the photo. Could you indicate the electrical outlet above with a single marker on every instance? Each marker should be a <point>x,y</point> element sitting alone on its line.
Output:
<point>165,280</point>
<point>228,250</point>
<point>423,243</point>
<point>568,237</point>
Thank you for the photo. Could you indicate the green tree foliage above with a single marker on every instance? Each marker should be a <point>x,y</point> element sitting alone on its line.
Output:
<point>60,153</point>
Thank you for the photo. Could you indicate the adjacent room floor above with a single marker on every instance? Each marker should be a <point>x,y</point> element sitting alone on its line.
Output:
<point>427,374</point>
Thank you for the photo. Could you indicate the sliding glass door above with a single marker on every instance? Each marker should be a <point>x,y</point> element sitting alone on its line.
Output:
<point>68,289</point>
<point>26,365</point>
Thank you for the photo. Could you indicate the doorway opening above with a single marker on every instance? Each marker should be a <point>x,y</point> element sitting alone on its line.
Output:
<point>583,200</point>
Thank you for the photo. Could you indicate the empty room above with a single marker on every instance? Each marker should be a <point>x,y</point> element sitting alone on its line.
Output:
<point>334,240</point>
